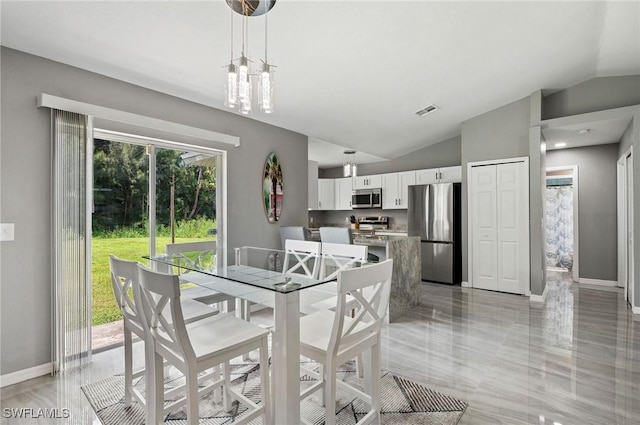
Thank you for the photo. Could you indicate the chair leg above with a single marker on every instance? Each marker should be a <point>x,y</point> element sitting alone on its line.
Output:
<point>376,403</point>
<point>324,387</point>
<point>330,394</point>
<point>217,393</point>
<point>193,414</point>
<point>265,386</point>
<point>128,367</point>
<point>155,398</point>
<point>226,395</point>
<point>359,368</point>
<point>367,375</point>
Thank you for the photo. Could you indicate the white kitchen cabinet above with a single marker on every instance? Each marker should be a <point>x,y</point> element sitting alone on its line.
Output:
<point>343,189</point>
<point>439,175</point>
<point>451,174</point>
<point>367,182</point>
<point>326,194</point>
<point>395,189</point>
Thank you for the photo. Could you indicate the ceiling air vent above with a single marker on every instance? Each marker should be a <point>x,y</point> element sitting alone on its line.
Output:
<point>425,111</point>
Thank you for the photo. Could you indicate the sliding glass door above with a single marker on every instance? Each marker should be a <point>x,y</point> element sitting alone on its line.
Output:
<point>146,193</point>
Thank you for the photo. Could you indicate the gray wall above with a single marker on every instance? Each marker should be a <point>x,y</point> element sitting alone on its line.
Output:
<point>25,174</point>
<point>601,94</point>
<point>597,94</point>
<point>501,133</point>
<point>596,207</point>
<point>442,154</point>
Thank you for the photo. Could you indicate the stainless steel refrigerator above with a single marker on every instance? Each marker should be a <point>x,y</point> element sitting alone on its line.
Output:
<point>434,215</point>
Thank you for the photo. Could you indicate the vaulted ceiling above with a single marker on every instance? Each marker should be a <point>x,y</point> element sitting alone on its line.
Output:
<point>351,74</point>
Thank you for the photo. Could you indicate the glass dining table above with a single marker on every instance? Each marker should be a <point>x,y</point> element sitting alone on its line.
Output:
<point>283,281</point>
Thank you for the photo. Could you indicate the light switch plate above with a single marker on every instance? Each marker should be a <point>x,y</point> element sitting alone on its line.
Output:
<point>6,231</point>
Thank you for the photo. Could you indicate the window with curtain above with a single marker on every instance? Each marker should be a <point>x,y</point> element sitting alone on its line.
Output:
<point>71,245</point>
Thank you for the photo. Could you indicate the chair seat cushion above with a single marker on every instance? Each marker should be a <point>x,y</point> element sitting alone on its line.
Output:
<point>221,332</point>
<point>194,310</point>
<point>315,331</point>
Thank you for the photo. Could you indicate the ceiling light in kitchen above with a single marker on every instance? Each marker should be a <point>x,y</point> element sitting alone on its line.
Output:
<point>349,166</point>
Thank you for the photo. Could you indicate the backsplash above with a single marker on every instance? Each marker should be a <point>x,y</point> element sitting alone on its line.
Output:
<point>397,218</point>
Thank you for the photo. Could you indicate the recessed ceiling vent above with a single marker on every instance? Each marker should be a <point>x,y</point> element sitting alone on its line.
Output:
<point>425,111</point>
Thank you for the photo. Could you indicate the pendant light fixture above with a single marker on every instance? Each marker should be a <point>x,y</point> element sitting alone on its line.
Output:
<point>239,90</point>
<point>349,166</point>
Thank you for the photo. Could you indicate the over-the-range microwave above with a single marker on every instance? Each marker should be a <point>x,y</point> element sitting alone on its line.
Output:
<point>366,198</point>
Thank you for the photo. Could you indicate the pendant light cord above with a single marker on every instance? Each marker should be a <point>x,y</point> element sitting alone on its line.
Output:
<point>231,35</point>
<point>266,21</point>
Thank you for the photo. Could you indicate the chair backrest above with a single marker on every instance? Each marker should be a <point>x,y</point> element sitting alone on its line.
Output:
<point>297,233</point>
<point>204,247</point>
<point>302,257</point>
<point>370,287</point>
<point>158,295</point>
<point>336,235</point>
<point>337,257</point>
<point>124,279</point>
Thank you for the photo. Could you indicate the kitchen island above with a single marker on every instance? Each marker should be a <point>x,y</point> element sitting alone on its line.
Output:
<point>406,279</point>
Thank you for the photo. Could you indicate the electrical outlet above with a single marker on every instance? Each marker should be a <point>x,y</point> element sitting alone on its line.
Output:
<point>6,231</point>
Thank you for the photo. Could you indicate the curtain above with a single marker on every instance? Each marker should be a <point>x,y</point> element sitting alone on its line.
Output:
<point>71,244</point>
<point>559,226</point>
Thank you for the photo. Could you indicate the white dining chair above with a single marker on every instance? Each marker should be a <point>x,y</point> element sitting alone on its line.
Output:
<point>198,346</point>
<point>198,293</point>
<point>335,258</point>
<point>302,257</point>
<point>332,337</point>
<point>124,279</point>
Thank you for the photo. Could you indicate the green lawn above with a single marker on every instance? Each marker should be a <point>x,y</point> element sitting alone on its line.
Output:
<point>105,308</point>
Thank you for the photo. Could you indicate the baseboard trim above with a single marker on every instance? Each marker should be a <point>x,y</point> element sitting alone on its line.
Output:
<point>465,284</point>
<point>635,310</point>
<point>25,374</point>
<point>539,298</point>
<point>598,282</point>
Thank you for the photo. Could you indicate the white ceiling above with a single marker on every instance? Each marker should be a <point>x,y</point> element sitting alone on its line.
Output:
<point>350,74</point>
<point>586,134</point>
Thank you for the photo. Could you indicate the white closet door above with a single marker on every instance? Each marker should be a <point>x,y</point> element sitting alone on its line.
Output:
<point>513,227</point>
<point>483,216</point>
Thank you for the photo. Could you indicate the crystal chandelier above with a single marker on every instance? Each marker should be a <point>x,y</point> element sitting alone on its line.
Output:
<point>349,166</point>
<point>239,87</point>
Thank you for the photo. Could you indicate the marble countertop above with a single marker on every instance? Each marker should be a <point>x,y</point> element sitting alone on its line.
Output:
<point>377,239</point>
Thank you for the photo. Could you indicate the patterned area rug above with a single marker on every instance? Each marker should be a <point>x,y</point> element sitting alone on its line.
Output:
<point>403,401</point>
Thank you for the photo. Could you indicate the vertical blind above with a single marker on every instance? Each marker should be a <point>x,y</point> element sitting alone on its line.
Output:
<point>71,244</point>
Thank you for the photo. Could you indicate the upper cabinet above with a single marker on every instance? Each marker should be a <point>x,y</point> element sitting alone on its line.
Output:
<point>326,194</point>
<point>367,182</point>
<point>343,193</point>
<point>395,189</point>
<point>439,175</point>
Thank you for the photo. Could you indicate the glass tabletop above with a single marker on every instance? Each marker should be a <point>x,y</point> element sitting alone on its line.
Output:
<point>269,269</point>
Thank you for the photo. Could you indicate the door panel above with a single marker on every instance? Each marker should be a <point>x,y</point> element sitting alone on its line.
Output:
<point>512,213</point>
<point>405,180</point>
<point>390,194</point>
<point>483,216</point>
